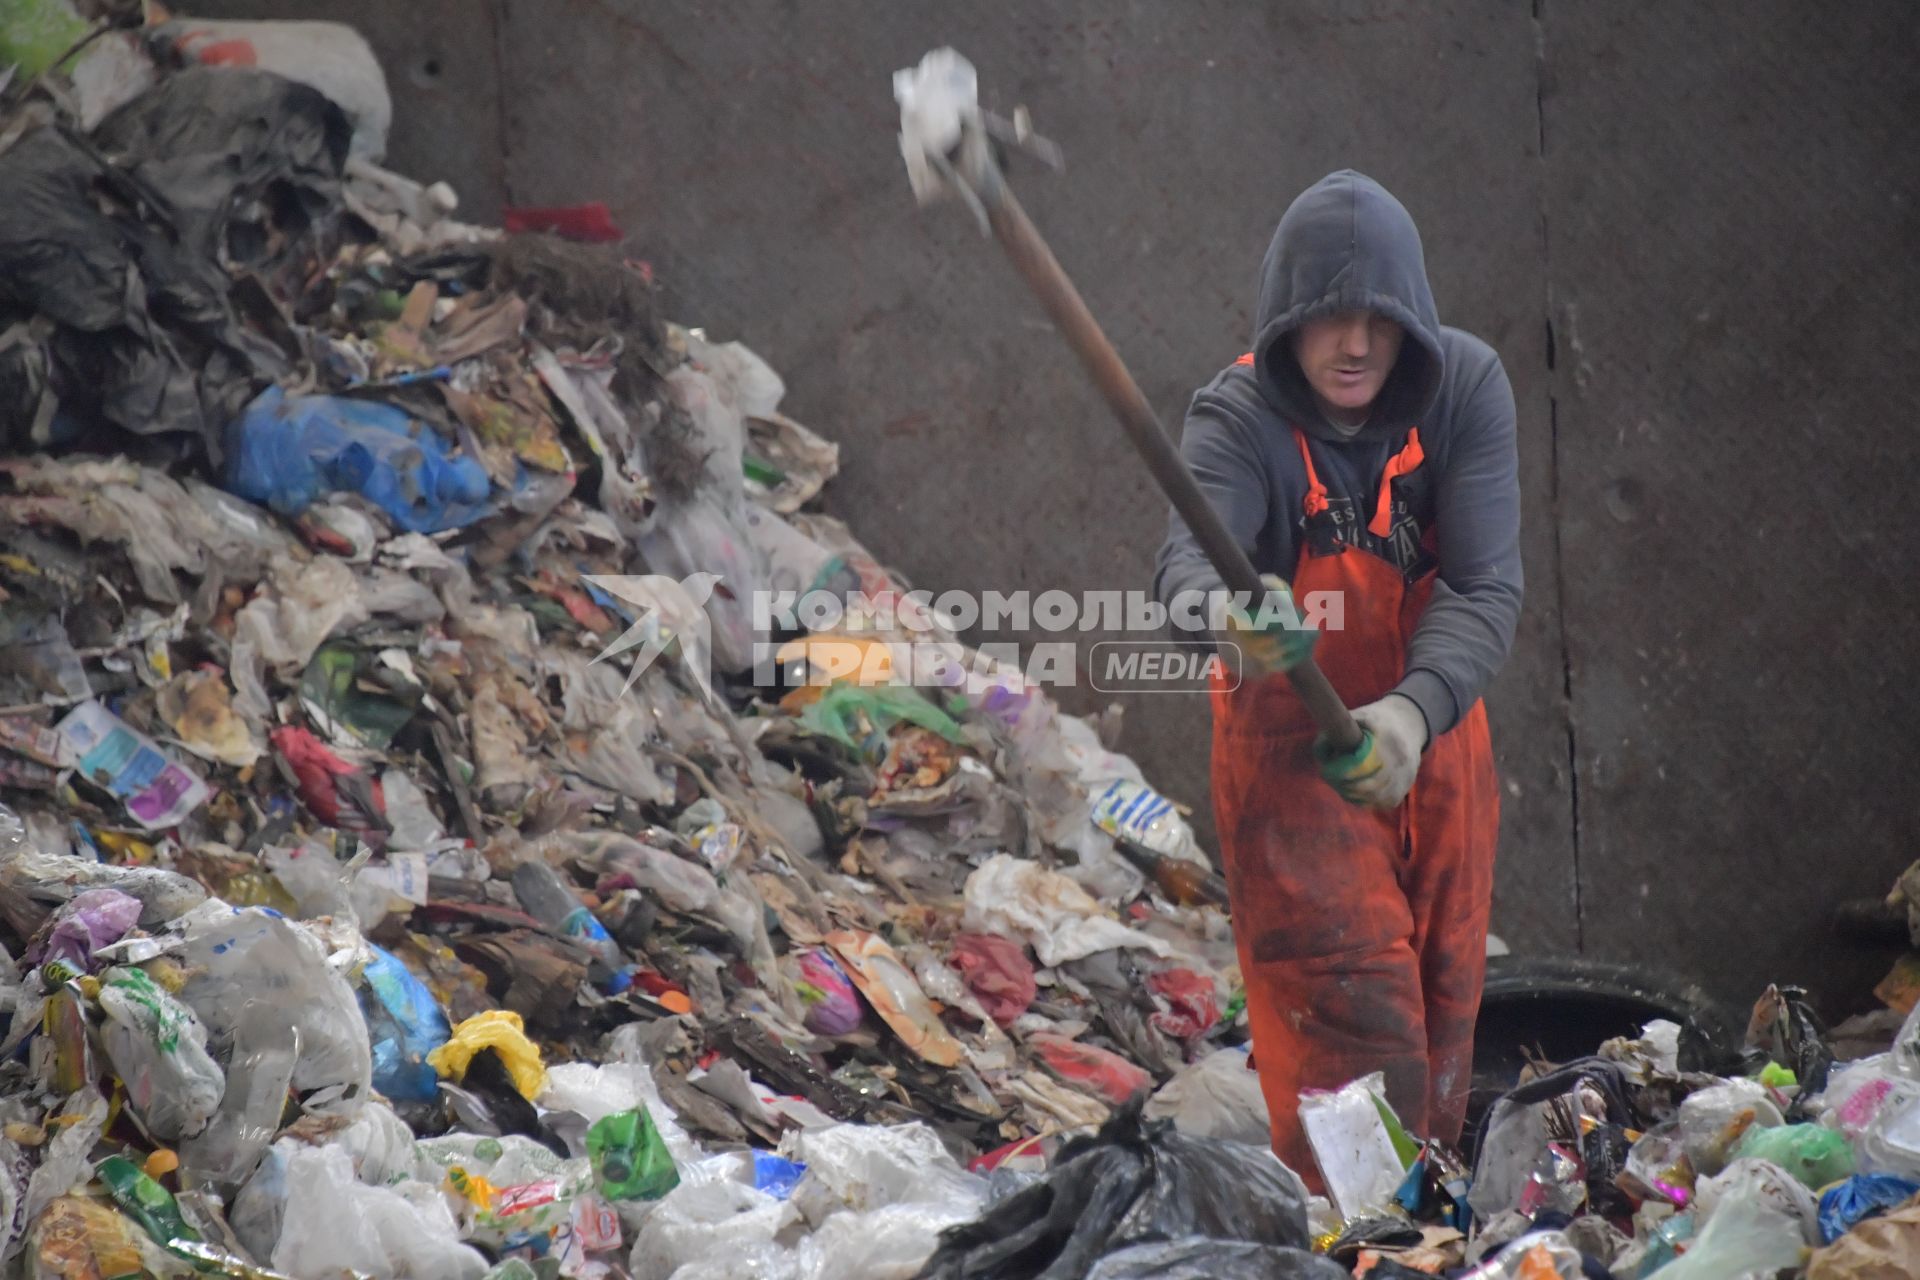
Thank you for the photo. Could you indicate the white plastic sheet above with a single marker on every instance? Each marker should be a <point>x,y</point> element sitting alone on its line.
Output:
<point>1060,920</point>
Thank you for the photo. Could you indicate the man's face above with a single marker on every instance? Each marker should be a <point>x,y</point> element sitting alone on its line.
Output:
<point>1347,356</point>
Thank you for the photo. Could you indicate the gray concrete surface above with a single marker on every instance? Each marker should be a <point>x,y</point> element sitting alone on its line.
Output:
<point>1696,286</point>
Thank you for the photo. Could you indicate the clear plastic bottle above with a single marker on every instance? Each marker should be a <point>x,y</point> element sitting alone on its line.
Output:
<point>552,901</point>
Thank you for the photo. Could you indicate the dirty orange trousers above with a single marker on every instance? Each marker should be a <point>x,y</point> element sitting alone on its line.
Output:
<point>1361,932</point>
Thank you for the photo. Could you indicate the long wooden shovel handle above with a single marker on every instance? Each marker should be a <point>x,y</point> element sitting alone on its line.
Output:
<point>1035,261</point>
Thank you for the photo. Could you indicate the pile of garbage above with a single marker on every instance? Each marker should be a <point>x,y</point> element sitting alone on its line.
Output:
<point>408,868</point>
<point>402,869</point>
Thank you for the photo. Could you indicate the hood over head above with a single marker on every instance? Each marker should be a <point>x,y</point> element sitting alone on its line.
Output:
<point>1346,244</point>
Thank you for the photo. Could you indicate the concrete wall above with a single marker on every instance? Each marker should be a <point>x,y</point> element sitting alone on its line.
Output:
<point>1686,228</point>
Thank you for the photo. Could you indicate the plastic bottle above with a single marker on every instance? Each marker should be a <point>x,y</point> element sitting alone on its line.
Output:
<point>552,902</point>
<point>630,1160</point>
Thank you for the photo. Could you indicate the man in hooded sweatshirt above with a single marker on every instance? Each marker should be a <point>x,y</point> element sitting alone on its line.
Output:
<point>1363,453</point>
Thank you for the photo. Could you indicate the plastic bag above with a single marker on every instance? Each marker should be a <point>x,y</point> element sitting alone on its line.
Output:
<point>1198,1258</point>
<point>890,1243</point>
<point>1056,917</point>
<point>261,1056</point>
<point>65,1164</point>
<point>93,919</point>
<point>159,1050</point>
<point>1658,1168</point>
<point>1127,1184</point>
<point>328,56</point>
<point>1218,1096</point>
<point>1861,1197</point>
<point>1905,1056</point>
<point>682,885</point>
<point>1879,1249</point>
<point>502,1031</point>
<point>621,1084</point>
<point>379,1143</point>
<point>833,1006</point>
<point>1857,1092</point>
<point>861,716</point>
<point>860,1167</point>
<point>405,1026</point>
<point>242,960</point>
<point>747,1262</point>
<point>706,1220</point>
<point>288,453</point>
<point>1746,1235</point>
<point>1752,1179</point>
<point>700,522</point>
<point>58,877</point>
<point>630,1160</point>
<point>1352,1145</point>
<point>1715,1119</point>
<point>511,1185</point>
<point>335,1224</point>
<point>34,33</point>
<point>1812,1153</point>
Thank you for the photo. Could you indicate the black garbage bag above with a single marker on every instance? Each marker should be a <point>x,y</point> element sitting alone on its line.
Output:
<point>123,243</point>
<point>75,235</point>
<point>249,162</point>
<point>1131,1183</point>
<point>1198,1258</point>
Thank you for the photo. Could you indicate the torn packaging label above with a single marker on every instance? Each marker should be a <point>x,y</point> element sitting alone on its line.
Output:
<point>157,791</point>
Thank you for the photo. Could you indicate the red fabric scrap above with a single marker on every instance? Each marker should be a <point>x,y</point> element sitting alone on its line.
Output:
<point>339,794</point>
<point>998,973</point>
<point>1195,1009</point>
<point>1106,1076</point>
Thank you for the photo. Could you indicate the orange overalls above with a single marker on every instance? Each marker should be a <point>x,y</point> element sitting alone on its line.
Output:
<point>1361,932</point>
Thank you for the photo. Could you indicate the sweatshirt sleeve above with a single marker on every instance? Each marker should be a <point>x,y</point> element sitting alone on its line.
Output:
<point>1467,629</point>
<point>1219,448</point>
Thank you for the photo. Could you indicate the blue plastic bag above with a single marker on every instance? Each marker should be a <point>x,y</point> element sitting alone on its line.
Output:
<point>1859,1198</point>
<point>775,1175</point>
<point>404,1024</point>
<point>289,453</point>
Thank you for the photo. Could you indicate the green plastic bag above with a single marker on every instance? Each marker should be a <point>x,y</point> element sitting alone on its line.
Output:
<point>1813,1153</point>
<point>860,716</point>
<point>35,32</point>
<point>630,1160</point>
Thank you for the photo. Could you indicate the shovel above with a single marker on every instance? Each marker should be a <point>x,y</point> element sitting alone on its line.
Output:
<point>949,144</point>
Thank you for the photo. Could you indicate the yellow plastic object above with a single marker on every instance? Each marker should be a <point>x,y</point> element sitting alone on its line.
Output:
<point>502,1031</point>
<point>853,659</point>
<point>160,1163</point>
<point>128,849</point>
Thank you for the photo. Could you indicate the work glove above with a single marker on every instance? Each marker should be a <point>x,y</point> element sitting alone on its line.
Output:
<point>1379,772</point>
<point>1268,644</point>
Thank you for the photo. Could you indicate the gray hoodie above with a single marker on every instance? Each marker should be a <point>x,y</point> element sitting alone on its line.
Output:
<point>1347,244</point>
